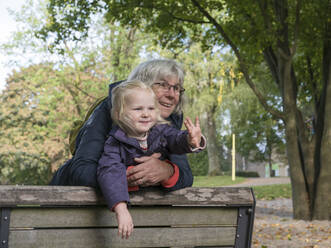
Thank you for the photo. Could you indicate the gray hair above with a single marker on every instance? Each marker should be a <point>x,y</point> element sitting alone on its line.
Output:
<point>150,71</point>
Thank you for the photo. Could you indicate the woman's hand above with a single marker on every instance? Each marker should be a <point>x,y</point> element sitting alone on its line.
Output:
<point>124,220</point>
<point>150,171</point>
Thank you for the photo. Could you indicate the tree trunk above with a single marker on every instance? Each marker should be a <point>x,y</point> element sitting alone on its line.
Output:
<point>300,198</point>
<point>322,203</point>
<point>270,169</point>
<point>214,167</point>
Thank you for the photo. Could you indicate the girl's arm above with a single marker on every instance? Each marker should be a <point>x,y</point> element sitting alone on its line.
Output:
<point>124,220</point>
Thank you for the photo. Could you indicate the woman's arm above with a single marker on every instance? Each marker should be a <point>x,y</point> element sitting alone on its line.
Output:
<point>89,147</point>
<point>173,175</point>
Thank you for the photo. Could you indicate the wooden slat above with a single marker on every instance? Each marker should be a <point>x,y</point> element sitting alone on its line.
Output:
<point>68,196</point>
<point>142,237</point>
<point>102,217</point>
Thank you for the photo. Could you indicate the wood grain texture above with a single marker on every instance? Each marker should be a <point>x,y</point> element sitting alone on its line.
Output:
<point>101,217</point>
<point>107,237</point>
<point>11,196</point>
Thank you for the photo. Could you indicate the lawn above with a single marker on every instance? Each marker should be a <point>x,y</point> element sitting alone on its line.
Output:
<point>215,181</point>
<point>266,192</point>
<point>270,192</point>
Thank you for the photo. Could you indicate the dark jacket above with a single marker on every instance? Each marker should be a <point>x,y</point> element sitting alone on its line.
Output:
<point>120,151</point>
<point>81,169</point>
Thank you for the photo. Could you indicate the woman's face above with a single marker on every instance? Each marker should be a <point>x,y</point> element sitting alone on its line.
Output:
<point>167,96</point>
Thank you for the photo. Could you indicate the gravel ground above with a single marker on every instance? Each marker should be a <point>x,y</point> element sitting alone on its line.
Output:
<point>274,225</point>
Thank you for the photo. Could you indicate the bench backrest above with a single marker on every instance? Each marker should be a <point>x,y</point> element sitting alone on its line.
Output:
<point>62,216</point>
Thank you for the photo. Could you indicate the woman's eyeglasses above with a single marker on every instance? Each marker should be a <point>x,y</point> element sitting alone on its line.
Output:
<point>165,86</point>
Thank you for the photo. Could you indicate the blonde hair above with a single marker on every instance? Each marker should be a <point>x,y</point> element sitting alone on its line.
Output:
<point>152,70</point>
<point>119,99</point>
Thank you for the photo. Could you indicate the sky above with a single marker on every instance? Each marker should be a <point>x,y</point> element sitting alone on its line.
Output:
<point>7,26</point>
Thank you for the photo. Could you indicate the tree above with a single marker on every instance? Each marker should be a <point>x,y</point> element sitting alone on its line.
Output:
<point>259,137</point>
<point>209,75</point>
<point>291,37</point>
<point>26,156</point>
<point>42,100</point>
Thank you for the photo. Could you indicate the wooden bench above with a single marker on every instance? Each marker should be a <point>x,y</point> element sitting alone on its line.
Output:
<point>51,216</point>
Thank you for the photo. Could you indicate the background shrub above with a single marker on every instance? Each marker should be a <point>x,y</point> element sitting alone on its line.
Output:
<point>247,174</point>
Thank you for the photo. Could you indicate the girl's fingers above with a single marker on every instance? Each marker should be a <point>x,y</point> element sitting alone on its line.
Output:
<point>125,232</point>
<point>197,122</point>
<point>188,122</point>
<point>121,232</point>
<point>129,231</point>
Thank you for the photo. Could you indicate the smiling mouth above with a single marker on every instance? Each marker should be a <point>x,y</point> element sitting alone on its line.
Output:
<point>166,105</point>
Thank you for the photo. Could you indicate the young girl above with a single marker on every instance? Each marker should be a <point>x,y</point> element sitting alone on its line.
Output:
<point>139,131</point>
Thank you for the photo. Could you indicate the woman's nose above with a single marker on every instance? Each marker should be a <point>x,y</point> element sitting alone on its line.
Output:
<point>170,92</point>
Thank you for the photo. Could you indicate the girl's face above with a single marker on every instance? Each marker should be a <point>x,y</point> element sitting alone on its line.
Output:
<point>141,110</point>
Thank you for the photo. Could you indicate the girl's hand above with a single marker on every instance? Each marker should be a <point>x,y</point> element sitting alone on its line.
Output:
<point>124,220</point>
<point>194,132</point>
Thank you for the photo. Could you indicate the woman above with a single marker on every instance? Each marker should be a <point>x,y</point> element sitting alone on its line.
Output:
<point>166,78</point>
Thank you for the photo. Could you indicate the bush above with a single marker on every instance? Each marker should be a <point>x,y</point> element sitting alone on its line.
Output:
<point>24,168</point>
<point>247,174</point>
<point>198,163</point>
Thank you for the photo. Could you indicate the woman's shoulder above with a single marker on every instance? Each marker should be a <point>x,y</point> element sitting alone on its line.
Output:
<point>164,129</point>
<point>161,127</point>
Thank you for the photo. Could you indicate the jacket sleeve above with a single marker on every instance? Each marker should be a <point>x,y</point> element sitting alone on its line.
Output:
<point>111,174</point>
<point>185,178</point>
<point>89,147</point>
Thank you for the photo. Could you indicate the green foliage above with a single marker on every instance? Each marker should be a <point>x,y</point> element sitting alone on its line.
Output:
<point>24,168</point>
<point>209,76</point>
<point>66,14</point>
<point>271,192</point>
<point>258,135</point>
<point>198,163</point>
<point>247,174</point>
<point>253,30</point>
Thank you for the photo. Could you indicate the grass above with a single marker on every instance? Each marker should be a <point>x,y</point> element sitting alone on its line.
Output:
<point>215,181</point>
<point>265,192</point>
<point>270,192</point>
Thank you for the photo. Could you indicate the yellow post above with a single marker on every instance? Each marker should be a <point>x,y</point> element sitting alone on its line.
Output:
<point>233,157</point>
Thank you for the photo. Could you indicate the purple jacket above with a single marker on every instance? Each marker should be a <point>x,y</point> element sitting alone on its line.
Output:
<point>120,151</point>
